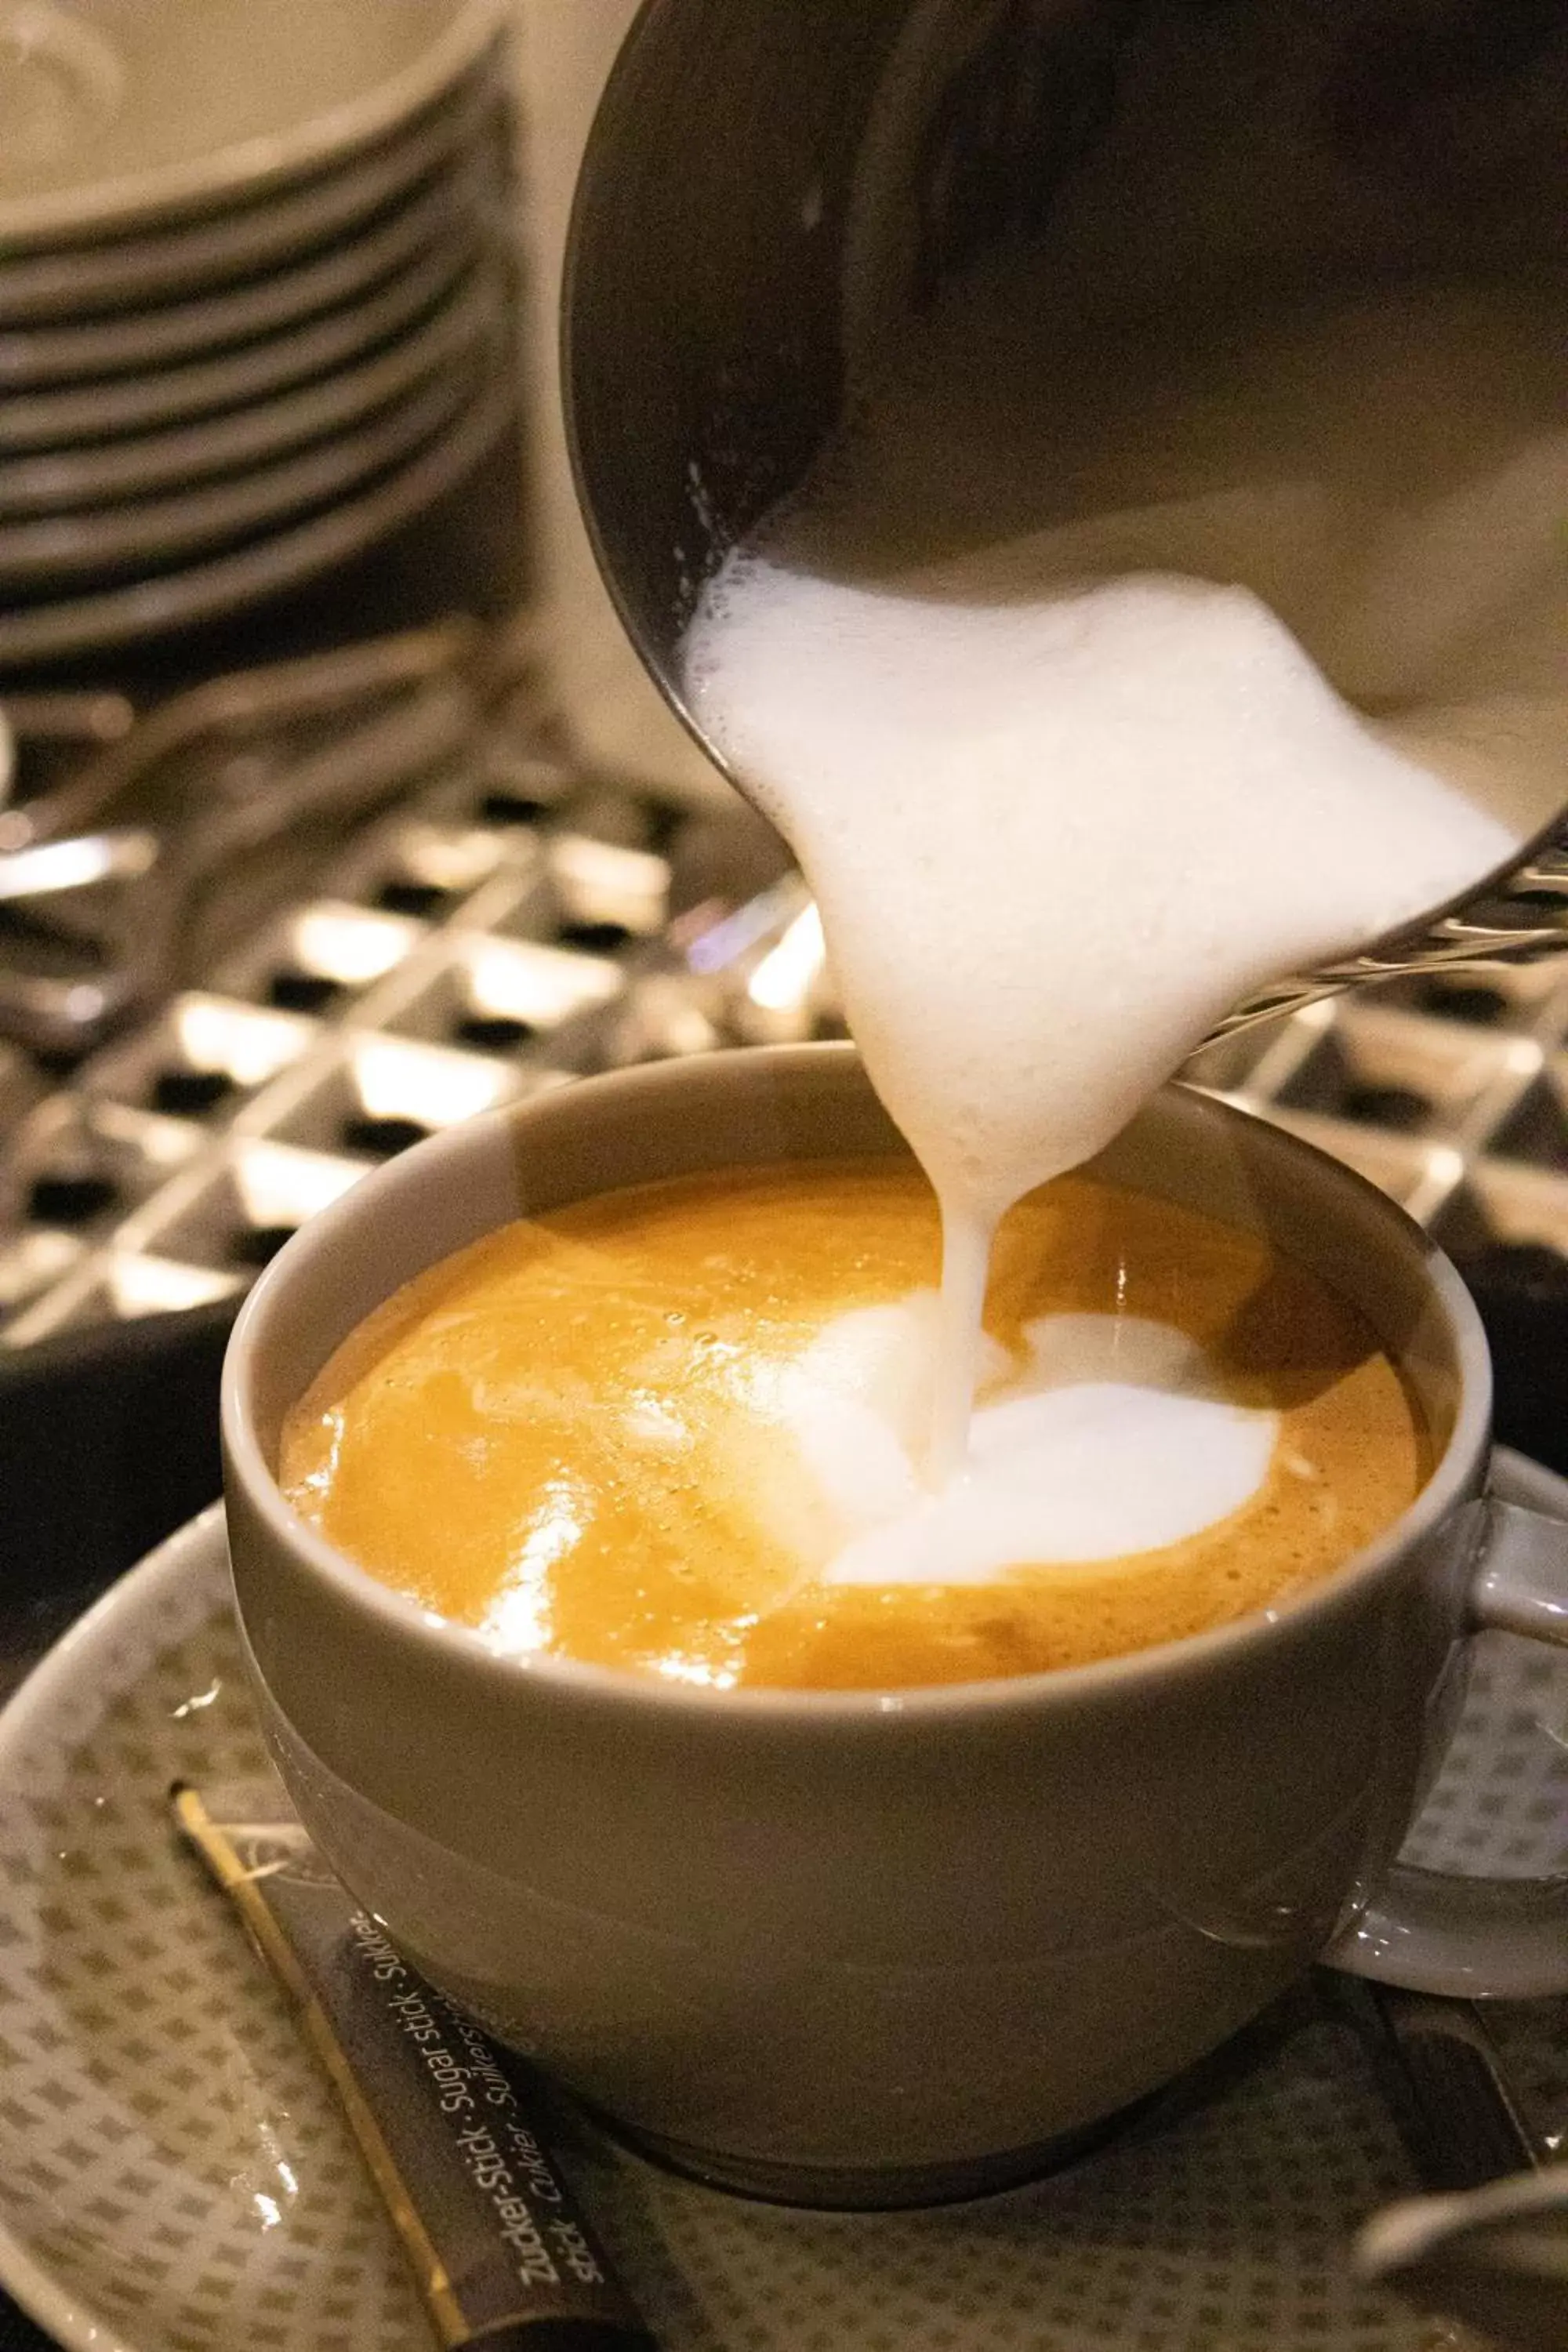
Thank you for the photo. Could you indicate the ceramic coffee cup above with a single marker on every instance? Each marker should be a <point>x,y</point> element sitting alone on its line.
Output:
<point>875,1946</point>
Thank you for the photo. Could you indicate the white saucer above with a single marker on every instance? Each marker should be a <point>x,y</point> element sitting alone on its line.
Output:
<point>37,358</point>
<point>132,466</point>
<point>73,281</point>
<point>227,583</point>
<point>174,2172</point>
<point>126,112</point>
<point>138,403</point>
<point>66,548</point>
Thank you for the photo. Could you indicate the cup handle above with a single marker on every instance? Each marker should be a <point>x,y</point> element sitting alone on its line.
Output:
<point>1480,1938</point>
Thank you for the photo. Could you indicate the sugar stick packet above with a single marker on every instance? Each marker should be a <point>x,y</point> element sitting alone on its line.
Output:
<point>503,2253</point>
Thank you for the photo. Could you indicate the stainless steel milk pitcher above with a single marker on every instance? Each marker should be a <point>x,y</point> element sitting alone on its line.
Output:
<point>769,182</point>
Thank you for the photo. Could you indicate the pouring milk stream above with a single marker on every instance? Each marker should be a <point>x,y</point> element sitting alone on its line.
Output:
<point>1052,703</point>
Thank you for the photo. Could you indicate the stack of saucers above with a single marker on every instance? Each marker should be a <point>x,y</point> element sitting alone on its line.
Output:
<point>254,297</point>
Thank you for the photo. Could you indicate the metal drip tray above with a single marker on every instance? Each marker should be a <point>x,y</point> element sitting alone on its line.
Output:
<point>494,923</point>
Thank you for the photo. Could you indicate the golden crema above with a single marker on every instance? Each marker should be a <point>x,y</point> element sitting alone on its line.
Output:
<point>585,1433</point>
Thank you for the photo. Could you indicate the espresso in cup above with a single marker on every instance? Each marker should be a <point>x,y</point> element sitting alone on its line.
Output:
<point>679,1429</point>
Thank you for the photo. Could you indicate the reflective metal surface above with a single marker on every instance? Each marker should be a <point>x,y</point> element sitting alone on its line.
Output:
<point>392,906</point>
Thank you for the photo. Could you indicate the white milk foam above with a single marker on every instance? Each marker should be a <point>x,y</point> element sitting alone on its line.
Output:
<point>1012,681</point>
<point>1111,1437</point>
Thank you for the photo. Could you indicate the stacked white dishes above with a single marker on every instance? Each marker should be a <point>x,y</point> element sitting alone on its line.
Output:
<point>255,298</point>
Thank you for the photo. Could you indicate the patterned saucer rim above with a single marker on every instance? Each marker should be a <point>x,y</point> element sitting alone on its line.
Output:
<point>198,1550</point>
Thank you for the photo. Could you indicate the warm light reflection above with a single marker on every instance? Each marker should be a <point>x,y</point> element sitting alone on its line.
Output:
<point>350,944</point>
<point>319,1483</point>
<point>78,863</point>
<point>252,1046</point>
<point>396,1080</point>
<point>724,942</point>
<point>452,861</point>
<point>604,882</point>
<point>34,1259</point>
<point>163,1142</point>
<point>280,1185</point>
<point>679,1666</point>
<point>525,981</point>
<point>520,1618</point>
<point>197,1701</point>
<point>157,1285</point>
<point>788,973</point>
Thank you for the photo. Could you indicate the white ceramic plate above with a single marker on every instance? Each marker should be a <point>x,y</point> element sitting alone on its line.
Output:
<point>37,358</point>
<point>63,482</point>
<point>227,583</point>
<point>124,111</point>
<point>66,282</point>
<point>172,2171</point>
<point>96,546</point>
<point>99,412</point>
